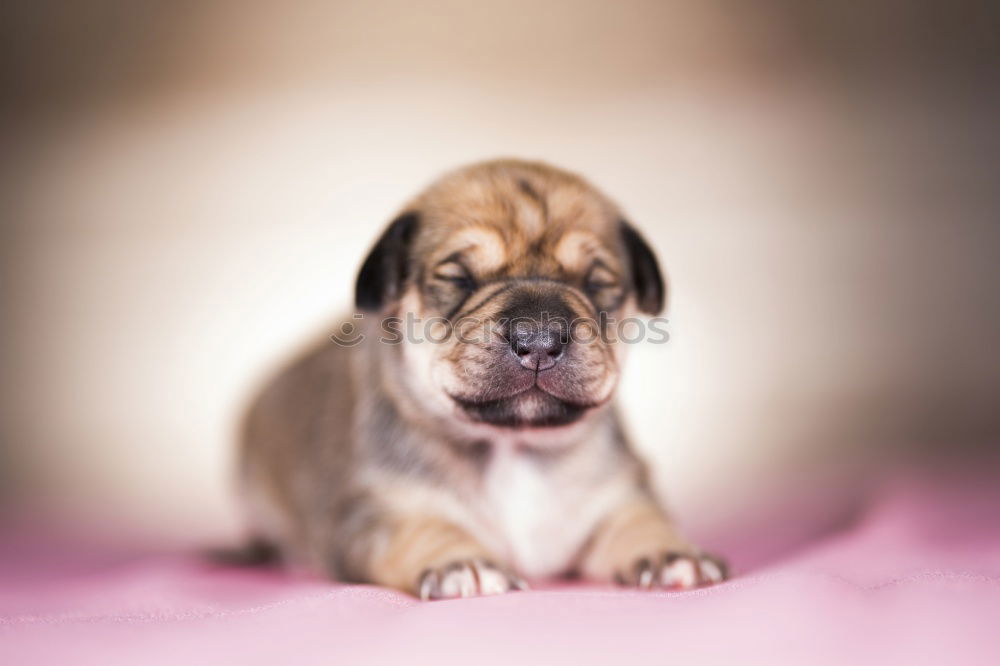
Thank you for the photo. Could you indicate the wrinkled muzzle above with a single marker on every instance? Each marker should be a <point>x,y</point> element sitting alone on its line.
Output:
<point>529,354</point>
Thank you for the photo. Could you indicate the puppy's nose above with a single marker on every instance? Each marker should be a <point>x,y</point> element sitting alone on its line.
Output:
<point>537,349</point>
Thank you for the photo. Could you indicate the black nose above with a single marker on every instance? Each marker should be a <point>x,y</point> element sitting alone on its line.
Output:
<point>537,348</point>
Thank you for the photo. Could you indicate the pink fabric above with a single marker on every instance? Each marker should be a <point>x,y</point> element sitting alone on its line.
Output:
<point>914,579</point>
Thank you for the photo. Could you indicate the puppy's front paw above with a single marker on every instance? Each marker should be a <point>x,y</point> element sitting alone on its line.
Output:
<point>467,578</point>
<point>674,570</point>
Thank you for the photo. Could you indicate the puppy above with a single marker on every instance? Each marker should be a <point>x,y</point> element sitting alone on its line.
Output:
<point>461,438</point>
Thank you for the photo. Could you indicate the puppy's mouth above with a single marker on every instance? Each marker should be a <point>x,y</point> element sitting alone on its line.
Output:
<point>533,407</point>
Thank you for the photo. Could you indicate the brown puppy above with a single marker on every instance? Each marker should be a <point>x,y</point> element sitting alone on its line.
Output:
<point>463,437</point>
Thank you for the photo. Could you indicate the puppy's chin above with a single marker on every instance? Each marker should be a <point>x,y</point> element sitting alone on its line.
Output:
<point>533,408</point>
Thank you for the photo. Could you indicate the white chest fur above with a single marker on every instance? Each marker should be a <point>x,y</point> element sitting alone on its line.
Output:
<point>538,518</point>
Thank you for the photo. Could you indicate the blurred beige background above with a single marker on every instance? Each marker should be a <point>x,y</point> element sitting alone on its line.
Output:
<point>188,188</point>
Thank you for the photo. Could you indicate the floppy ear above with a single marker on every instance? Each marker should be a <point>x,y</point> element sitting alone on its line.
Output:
<point>387,266</point>
<point>646,277</point>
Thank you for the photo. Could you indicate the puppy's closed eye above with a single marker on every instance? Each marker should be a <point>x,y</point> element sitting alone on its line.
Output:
<point>454,273</point>
<point>603,286</point>
<point>450,285</point>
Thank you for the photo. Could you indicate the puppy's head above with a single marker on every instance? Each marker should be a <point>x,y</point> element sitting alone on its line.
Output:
<point>504,281</point>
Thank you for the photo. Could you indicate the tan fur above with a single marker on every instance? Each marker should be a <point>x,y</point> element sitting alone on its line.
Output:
<point>415,544</point>
<point>637,527</point>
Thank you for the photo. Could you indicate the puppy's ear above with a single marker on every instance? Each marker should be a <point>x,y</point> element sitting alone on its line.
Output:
<point>647,280</point>
<point>387,266</point>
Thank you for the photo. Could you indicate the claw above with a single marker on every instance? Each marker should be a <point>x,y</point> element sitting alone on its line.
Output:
<point>644,573</point>
<point>712,570</point>
<point>429,584</point>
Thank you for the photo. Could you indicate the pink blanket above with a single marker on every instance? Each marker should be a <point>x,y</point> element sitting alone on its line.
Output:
<point>915,579</point>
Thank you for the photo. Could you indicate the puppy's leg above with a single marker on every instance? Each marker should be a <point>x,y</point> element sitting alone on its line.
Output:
<point>636,545</point>
<point>434,559</point>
